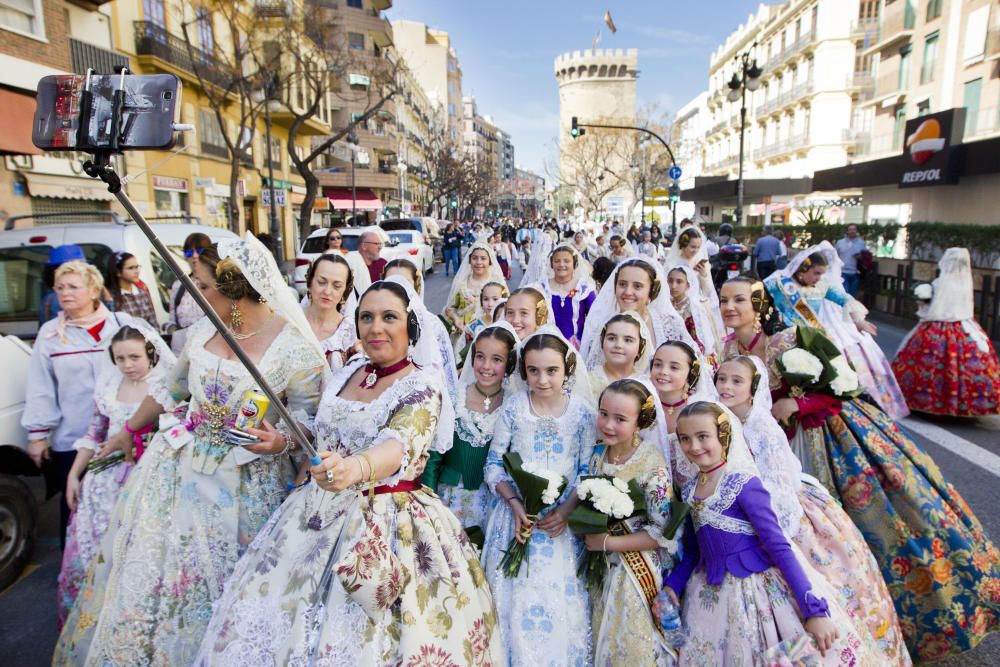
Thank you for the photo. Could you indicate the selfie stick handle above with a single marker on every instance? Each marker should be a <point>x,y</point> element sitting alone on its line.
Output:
<point>103,170</point>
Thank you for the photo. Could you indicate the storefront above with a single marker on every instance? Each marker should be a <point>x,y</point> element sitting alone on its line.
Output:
<point>936,178</point>
<point>170,197</point>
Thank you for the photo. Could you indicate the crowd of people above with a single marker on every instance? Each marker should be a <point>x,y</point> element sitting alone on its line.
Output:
<point>623,460</point>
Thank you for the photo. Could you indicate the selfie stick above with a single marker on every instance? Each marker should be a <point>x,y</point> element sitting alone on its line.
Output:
<point>101,168</point>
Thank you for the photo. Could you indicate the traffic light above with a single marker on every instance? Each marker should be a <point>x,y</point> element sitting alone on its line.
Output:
<point>575,130</point>
<point>675,193</point>
<point>454,203</point>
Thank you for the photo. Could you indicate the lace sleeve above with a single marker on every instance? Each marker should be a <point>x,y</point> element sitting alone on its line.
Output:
<point>302,396</point>
<point>413,423</point>
<point>97,432</point>
<point>500,445</point>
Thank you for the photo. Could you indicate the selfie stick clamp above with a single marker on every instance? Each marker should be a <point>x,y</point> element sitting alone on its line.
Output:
<point>100,167</point>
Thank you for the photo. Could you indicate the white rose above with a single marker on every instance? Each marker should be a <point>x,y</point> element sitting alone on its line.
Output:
<point>923,292</point>
<point>620,485</point>
<point>846,380</point>
<point>800,362</point>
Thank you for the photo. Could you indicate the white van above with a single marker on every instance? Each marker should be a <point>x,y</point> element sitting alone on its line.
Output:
<point>24,252</point>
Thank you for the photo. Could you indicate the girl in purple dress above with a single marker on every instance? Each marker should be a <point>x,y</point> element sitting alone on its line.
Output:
<point>571,291</point>
<point>749,594</point>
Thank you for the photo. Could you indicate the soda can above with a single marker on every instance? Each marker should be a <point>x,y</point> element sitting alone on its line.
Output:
<point>251,414</point>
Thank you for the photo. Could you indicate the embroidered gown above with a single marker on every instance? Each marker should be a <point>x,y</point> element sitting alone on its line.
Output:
<point>625,632</point>
<point>544,613</point>
<point>825,535</point>
<point>941,569</point>
<point>831,309</point>
<point>421,597</point>
<point>188,512</point>
<point>98,490</point>
<point>458,474</point>
<point>746,589</point>
<point>570,310</point>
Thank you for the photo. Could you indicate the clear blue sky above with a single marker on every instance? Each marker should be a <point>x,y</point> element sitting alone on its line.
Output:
<point>507,48</point>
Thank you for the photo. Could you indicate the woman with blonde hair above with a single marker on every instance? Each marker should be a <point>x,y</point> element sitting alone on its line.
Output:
<point>70,353</point>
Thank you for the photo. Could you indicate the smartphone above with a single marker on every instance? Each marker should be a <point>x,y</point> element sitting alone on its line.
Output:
<point>71,116</point>
<point>239,438</point>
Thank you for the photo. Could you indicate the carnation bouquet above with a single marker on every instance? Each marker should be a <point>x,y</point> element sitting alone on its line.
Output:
<point>815,365</point>
<point>539,489</point>
<point>605,503</point>
<point>100,464</point>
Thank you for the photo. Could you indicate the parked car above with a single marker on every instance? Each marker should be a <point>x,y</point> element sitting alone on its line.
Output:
<point>24,252</point>
<point>21,487</point>
<point>315,245</point>
<point>417,250</point>
<point>426,226</point>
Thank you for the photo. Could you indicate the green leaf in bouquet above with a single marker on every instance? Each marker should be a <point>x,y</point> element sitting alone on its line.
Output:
<point>679,511</point>
<point>448,325</point>
<point>638,497</point>
<point>531,487</point>
<point>585,520</point>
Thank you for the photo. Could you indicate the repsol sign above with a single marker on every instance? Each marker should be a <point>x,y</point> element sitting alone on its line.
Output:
<point>932,149</point>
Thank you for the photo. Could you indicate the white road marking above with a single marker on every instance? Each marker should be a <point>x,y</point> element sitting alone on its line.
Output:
<point>959,446</point>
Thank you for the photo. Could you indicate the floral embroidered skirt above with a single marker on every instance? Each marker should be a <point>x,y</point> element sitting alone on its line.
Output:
<point>834,546</point>
<point>331,582</point>
<point>941,569</point>
<point>942,371</point>
<point>98,493</point>
<point>738,622</point>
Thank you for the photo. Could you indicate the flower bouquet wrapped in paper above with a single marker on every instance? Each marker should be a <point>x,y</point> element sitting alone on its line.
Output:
<point>539,489</point>
<point>605,503</point>
<point>922,291</point>
<point>815,365</point>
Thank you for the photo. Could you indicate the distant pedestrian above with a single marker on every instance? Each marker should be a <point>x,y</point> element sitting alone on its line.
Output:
<point>128,293</point>
<point>370,247</point>
<point>849,248</point>
<point>766,251</point>
<point>57,257</point>
<point>452,241</point>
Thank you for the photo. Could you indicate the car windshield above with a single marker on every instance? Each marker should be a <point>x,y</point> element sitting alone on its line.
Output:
<point>317,244</point>
<point>21,284</point>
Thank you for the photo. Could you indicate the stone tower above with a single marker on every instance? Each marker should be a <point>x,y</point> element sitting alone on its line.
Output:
<point>596,85</point>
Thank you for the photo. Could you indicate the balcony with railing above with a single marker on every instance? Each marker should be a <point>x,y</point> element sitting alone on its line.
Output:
<point>993,42</point>
<point>896,25</point>
<point>274,9</point>
<point>982,123</point>
<point>780,147</point>
<point>881,145</point>
<point>888,84</point>
<point>160,49</point>
<point>83,55</point>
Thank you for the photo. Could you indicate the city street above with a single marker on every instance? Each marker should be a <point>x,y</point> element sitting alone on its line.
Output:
<point>968,453</point>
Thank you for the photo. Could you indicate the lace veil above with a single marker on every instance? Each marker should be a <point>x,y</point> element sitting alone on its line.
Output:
<point>578,383</point>
<point>257,265</point>
<point>596,358</point>
<point>702,309</point>
<point>464,274</point>
<point>666,322</point>
<point>952,300</point>
<point>781,470</point>
<point>538,262</point>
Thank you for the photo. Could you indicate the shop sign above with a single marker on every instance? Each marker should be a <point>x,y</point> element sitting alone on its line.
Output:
<point>204,182</point>
<point>932,149</point>
<point>170,183</point>
<point>279,197</point>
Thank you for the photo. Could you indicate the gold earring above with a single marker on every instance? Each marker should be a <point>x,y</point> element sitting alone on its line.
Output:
<point>635,440</point>
<point>235,317</point>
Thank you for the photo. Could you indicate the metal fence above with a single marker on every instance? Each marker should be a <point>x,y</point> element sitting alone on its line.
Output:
<point>892,294</point>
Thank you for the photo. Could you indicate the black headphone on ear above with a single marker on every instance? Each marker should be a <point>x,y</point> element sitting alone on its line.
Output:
<point>412,327</point>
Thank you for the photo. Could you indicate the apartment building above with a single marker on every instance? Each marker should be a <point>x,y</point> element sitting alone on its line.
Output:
<point>927,57</point>
<point>37,39</point>
<point>431,56</point>
<point>481,138</point>
<point>507,165</point>
<point>417,120</point>
<point>799,116</point>
<point>687,133</point>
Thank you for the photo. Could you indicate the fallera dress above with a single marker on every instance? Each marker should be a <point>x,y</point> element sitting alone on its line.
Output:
<point>625,632</point>
<point>188,512</point>
<point>458,475</point>
<point>98,490</point>
<point>544,613</point>
<point>419,595</point>
<point>941,570</point>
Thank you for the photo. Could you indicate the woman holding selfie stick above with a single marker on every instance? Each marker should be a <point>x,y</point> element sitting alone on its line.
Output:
<point>196,500</point>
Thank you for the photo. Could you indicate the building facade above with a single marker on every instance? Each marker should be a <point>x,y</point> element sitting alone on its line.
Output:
<point>687,135</point>
<point>417,120</point>
<point>435,64</point>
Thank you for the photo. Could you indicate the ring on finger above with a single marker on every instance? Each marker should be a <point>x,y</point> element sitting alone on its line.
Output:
<point>329,475</point>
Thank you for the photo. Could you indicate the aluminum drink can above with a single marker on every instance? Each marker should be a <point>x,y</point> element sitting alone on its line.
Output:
<point>251,414</point>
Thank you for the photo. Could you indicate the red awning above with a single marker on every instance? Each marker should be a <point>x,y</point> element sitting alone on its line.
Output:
<point>15,131</point>
<point>340,198</point>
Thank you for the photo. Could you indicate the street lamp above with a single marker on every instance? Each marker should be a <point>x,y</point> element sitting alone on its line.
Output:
<point>738,87</point>
<point>402,186</point>
<point>269,95</point>
<point>352,144</point>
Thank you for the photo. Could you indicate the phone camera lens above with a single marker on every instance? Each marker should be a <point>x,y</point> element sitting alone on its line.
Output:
<point>168,94</point>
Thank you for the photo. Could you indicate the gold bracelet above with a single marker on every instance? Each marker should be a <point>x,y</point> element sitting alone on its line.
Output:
<point>371,476</point>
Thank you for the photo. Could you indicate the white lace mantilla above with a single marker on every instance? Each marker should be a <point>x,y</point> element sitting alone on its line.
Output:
<point>475,428</point>
<point>710,512</point>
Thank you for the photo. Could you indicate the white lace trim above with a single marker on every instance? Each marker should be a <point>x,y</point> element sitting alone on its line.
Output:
<point>475,428</point>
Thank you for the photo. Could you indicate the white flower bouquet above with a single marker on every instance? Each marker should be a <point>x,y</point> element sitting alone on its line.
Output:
<point>605,503</point>
<point>539,489</point>
<point>923,291</point>
<point>815,365</point>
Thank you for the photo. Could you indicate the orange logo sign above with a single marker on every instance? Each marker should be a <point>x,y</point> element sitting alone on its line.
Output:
<point>925,141</point>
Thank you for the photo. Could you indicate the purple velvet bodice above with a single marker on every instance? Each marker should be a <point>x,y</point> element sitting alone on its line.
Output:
<point>737,531</point>
<point>570,312</point>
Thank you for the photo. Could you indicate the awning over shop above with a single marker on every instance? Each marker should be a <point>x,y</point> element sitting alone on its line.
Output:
<point>724,191</point>
<point>66,187</point>
<point>340,199</point>
<point>15,131</point>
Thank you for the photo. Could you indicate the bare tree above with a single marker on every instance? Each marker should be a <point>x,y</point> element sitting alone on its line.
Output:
<point>593,166</point>
<point>445,171</point>
<point>646,158</point>
<point>232,69</point>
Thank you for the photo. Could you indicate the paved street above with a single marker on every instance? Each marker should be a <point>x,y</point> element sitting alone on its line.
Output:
<point>27,608</point>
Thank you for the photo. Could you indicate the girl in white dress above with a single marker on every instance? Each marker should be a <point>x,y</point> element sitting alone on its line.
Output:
<point>625,351</point>
<point>544,613</point>
<point>142,359</point>
<point>330,307</point>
